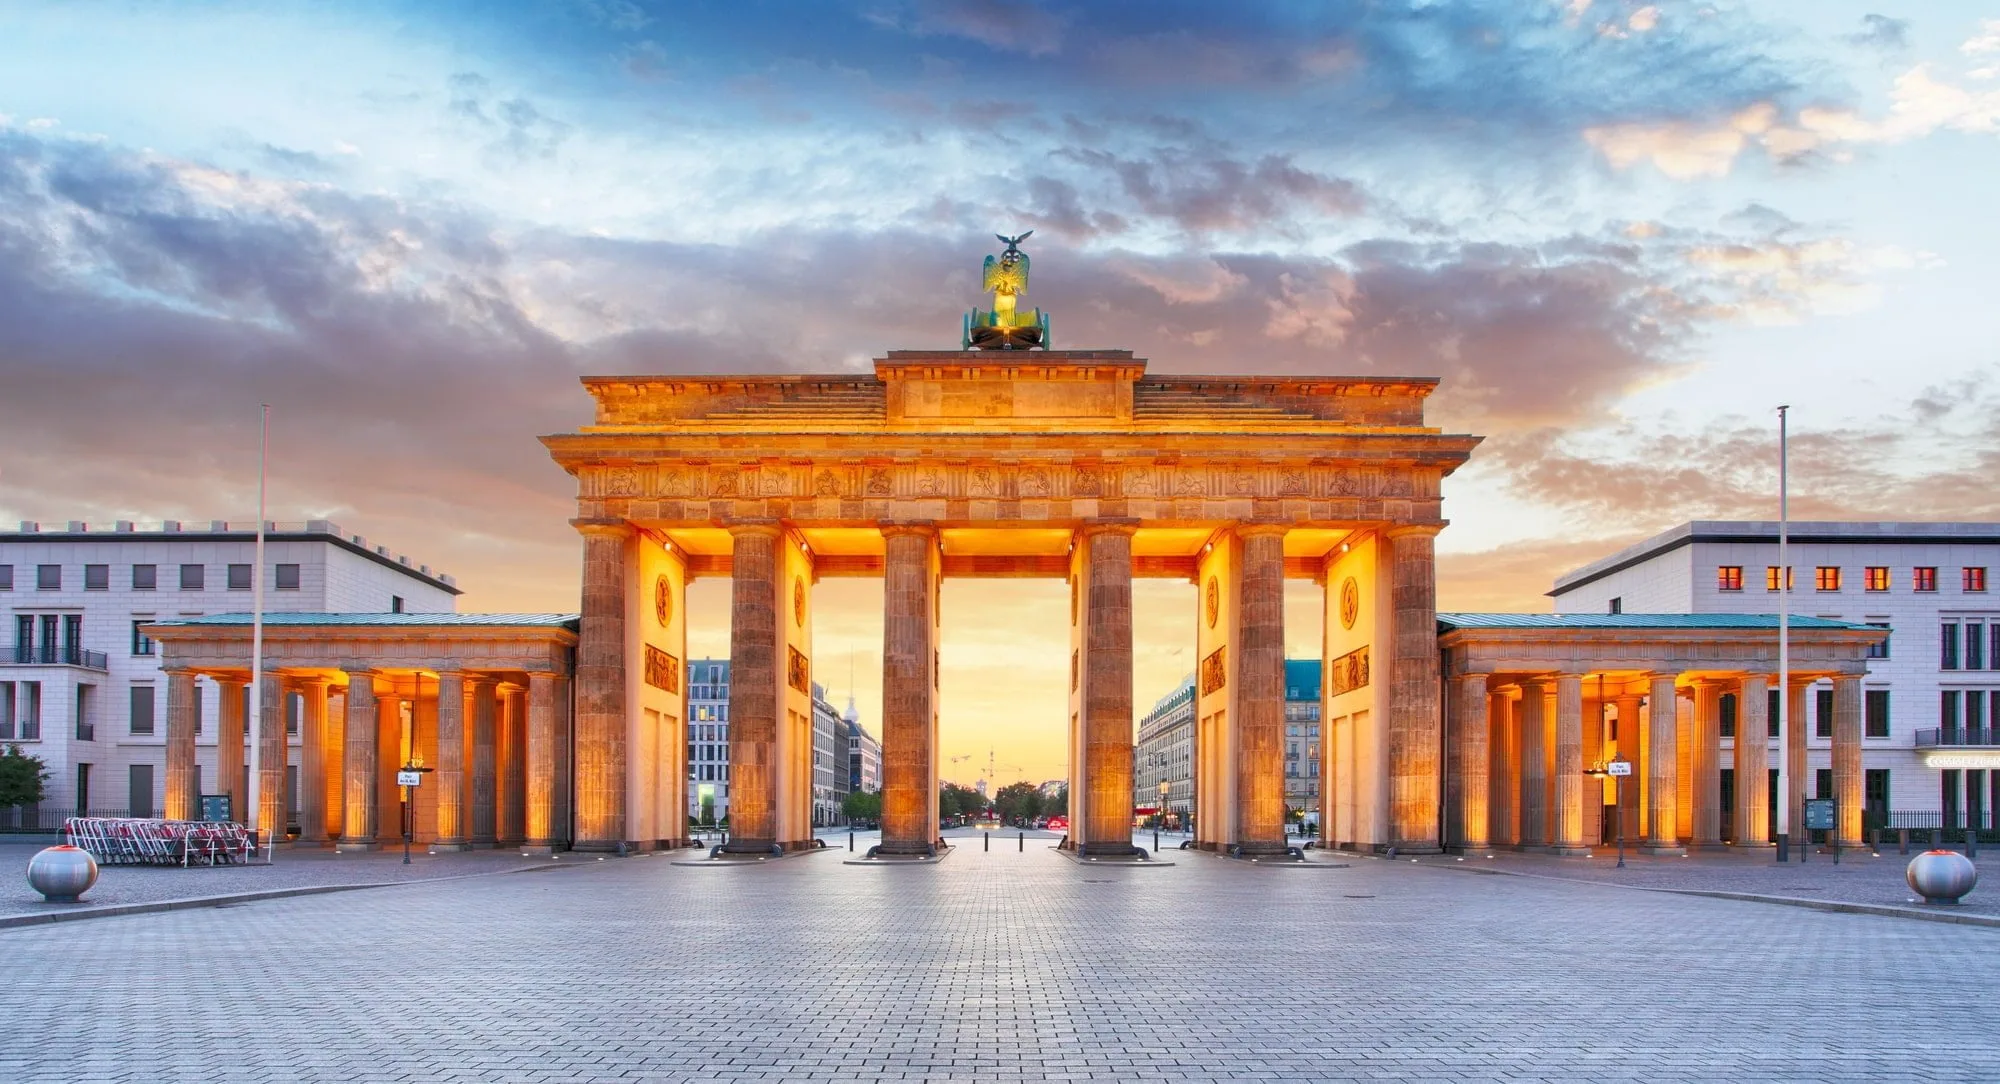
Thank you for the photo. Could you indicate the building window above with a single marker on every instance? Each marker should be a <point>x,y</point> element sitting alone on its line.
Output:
<point>239,577</point>
<point>1826,578</point>
<point>1771,578</point>
<point>192,577</point>
<point>1974,579</point>
<point>1923,579</point>
<point>1823,713</point>
<point>1948,707</point>
<point>1975,646</point>
<point>1875,713</point>
<point>1878,577</point>
<point>142,644</point>
<point>145,577</point>
<point>1875,790</point>
<point>1618,605</point>
<point>97,577</point>
<point>288,577</point>
<point>1771,710</point>
<point>48,577</point>
<point>142,709</point>
<point>1729,577</point>
<point>1948,647</point>
<point>20,710</point>
<point>1993,647</point>
<point>6,577</point>
<point>1727,708</point>
<point>395,604</point>
<point>1881,650</point>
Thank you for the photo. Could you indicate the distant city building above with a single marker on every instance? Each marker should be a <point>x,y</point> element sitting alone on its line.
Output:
<point>834,748</point>
<point>1165,748</point>
<point>830,760</point>
<point>864,753</point>
<point>1931,736</point>
<point>81,687</point>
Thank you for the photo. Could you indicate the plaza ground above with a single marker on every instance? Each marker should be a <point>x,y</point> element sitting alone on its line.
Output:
<point>1005,965</point>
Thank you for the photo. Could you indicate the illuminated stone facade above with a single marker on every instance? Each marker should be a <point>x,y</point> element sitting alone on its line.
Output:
<point>1067,464</point>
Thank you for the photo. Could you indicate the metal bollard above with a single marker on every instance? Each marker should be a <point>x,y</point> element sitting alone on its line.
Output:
<point>985,844</point>
<point>1023,848</point>
<point>1972,843</point>
<point>1903,840</point>
<point>850,839</point>
<point>1156,840</point>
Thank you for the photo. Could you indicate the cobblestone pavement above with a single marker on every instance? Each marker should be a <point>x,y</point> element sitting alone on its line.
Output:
<point>1004,966</point>
<point>1859,878</point>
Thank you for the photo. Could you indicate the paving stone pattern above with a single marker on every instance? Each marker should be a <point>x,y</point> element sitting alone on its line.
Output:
<point>1000,966</point>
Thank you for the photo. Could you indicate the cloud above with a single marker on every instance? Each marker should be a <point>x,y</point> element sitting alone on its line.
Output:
<point>1882,32</point>
<point>1022,26</point>
<point>1207,191</point>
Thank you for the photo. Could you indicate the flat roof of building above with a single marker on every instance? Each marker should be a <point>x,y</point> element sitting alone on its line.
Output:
<point>293,619</point>
<point>1806,532</point>
<point>218,530</point>
<point>1450,622</point>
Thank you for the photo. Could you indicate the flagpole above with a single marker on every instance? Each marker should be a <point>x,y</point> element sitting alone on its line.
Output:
<point>257,646</point>
<point>1785,723</point>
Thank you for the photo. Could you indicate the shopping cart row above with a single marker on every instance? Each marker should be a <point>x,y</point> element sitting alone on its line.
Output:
<point>134,841</point>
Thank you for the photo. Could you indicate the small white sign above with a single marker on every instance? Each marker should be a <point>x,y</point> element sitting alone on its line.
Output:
<point>409,779</point>
<point>1618,767</point>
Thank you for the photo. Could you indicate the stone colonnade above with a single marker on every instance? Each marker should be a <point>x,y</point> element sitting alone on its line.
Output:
<point>1521,745</point>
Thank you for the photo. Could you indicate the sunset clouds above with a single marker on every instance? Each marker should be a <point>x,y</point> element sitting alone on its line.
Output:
<point>1619,232</point>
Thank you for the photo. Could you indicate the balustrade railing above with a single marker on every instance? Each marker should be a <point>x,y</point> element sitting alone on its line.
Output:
<point>1948,736</point>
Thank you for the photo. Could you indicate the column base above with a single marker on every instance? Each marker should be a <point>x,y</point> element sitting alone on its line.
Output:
<point>1672,850</point>
<point>1708,847</point>
<point>357,846</point>
<point>1569,851</point>
<point>451,847</point>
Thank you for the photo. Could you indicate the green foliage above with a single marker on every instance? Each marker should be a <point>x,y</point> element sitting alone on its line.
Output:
<point>21,778</point>
<point>1018,801</point>
<point>708,811</point>
<point>957,801</point>
<point>1057,806</point>
<point>862,805</point>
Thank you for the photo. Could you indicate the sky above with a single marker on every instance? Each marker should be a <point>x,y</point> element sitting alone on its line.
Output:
<point>1620,233</point>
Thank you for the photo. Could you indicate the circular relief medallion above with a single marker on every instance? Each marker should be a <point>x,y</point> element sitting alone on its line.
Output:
<point>799,601</point>
<point>663,601</point>
<point>1350,602</point>
<point>1212,600</point>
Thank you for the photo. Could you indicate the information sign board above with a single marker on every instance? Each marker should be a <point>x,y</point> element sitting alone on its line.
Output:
<point>1618,767</point>
<point>216,807</point>
<point>1819,814</point>
<point>409,779</point>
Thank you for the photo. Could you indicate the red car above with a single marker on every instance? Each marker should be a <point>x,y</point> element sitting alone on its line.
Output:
<point>1058,824</point>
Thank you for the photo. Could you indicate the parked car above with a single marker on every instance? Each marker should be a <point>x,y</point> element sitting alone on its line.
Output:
<point>1058,824</point>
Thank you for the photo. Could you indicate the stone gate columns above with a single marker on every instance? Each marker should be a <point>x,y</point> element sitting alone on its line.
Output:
<point>358,823</point>
<point>449,779</point>
<point>312,761</point>
<point>1567,830</point>
<point>1504,780</point>
<point>770,692</point>
<point>388,734</point>
<point>229,710</point>
<point>513,756</point>
<point>1414,718</point>
<point>1101,822</point>
<point>1260,674</point>
<point>334,755</point>
<point>1705,827</point>
<point>1797,726</point>
<point>273,752</point>
<point>181,710</point>
<point>1847,777</point>
<point>1752,814</point>
<point>1592,805</point>
<point>541,764</point>
<point>483,789</point>
<point>1536,732</point>
<point>1662,768</point>
<point>601,723</point>
<point>909,688</point>
<point>1635,745</point>
<point>1470,764</point>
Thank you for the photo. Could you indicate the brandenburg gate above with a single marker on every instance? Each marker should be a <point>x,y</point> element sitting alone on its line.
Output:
<point>1004,459</point>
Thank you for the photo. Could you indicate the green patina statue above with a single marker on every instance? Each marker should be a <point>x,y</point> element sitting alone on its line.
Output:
<point>1007,327</point>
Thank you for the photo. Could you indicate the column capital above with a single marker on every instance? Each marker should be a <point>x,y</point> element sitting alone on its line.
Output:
<point>180,671</point>
<point>1406,530</point>
<point>1121,526</point>
<point>311,681</point>
<point>603,528</point>
<point>358,671</point>
<point>766,527</point>
<point>891,528</point>
<point>232,679</point>
<point>1256,530</point>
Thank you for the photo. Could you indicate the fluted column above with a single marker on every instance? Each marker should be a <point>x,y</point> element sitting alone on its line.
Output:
<point>1260,676</point>
<point>230,700</point>
<point>1635,746</point>
<point>312,761</point>
<point>1568,828</point>
<point>1662,768</point>
<point>1535,820</point>
<point>1504,780</point>
<point>541,749</point>
<point>1107,692</point>
<point>600,687</point>
<point>1593,757</point>
<point>181,799</point>
<point>1753,762</point>
<point>513,756</point>
<point>483,790</point>
<point>449,779</point>
<point>909,688</point>
<point>273,753</point>
<point>1797,728</point>
<point>333,753</point>
<point>390,758</point>
<point>1471,756</point>
<point>753,688</point>
<point>1415,722</point>
<point>1848,701</point>
<point>358,823</point>
<point>1706,823</point>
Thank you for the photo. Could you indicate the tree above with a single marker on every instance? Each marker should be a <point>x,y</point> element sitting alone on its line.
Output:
<point>862,805</point>
<point>1018,801</point>
<point>957,801</point>
<point>1058,804</point>
<point>21,778</point>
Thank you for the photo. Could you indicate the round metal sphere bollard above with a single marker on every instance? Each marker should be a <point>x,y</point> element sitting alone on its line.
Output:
<point>1941,876</point>
<point>62,873</point>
